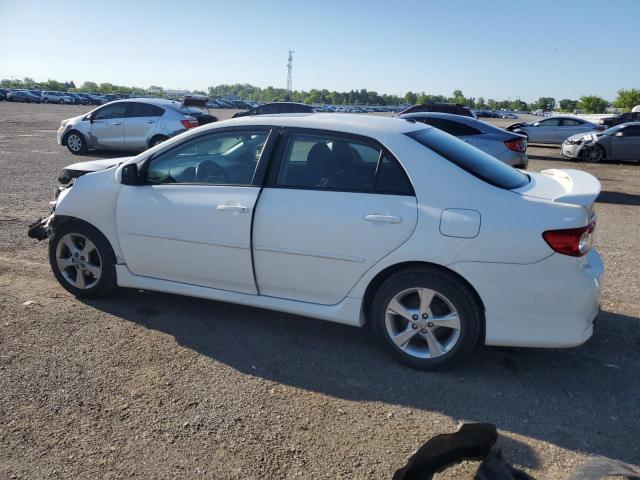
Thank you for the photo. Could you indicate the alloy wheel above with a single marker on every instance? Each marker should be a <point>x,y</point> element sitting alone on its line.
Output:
<point>74,142</point>
<point>78,260</point>
<point>593,154</point>
<point>422,323</point>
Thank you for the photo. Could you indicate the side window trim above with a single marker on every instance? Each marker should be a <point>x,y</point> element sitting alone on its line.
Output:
<point>280,149</point>
<point>258,174</point>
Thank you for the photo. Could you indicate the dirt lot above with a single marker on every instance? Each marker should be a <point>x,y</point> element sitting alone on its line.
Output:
<point>149,385</point>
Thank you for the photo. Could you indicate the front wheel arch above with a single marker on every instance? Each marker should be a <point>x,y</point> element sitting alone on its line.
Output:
<point>391,270</point>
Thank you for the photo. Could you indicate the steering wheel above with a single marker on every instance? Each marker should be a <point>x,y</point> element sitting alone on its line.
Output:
<point>210,172</point>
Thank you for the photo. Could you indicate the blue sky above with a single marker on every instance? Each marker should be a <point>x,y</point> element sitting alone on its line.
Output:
<point>495,49</point>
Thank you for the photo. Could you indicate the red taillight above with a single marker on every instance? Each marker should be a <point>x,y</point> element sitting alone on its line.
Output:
<point>571,241</point>
<point>600,128</point>
<point>189,123</point>
<point>517,144</point>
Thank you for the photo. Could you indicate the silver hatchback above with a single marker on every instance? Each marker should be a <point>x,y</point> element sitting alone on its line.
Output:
<point>132,125</point>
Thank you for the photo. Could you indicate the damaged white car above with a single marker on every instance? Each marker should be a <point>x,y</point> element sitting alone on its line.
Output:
<point>437,245</point>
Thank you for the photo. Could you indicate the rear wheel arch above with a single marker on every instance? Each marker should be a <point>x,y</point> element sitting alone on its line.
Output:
<point>388,272</point>
<point>152,141</point>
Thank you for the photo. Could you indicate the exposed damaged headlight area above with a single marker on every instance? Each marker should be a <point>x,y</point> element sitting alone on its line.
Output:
<point>67,175</point>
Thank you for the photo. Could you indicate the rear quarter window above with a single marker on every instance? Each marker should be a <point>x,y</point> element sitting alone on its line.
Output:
<point>471,159</point>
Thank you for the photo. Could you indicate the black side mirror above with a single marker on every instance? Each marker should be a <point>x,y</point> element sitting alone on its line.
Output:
<point>129,174</point>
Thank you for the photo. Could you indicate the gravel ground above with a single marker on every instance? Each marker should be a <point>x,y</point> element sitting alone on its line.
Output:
<point>151,385</point>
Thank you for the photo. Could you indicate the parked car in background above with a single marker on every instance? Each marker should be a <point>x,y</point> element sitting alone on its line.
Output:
<point>23,96</point>
<point>277,107</point>
<point>125,125</point>
<point>507,147</point>
<point>609,122</point>
<point>503,114</point>
<point>3,93</point>
<point>56,97</point>
<point>440,107</point>
<point>621,143</point>
<point>437,245</point>
<point>554,130</point>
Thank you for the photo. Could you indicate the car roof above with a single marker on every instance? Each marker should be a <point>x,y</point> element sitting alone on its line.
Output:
<point>154,101</point>
<point>484,127</point>
<point>341,122</point>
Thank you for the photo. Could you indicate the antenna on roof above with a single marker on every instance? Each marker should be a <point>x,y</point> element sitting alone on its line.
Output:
<point>289,72</point>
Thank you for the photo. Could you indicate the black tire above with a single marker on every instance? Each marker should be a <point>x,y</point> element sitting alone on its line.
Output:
<point>460,296</point>
<point>105,259</point>
<point>593,154</point>
<point>76,143</point>
<point>157,140</point>
<point>46,100</point>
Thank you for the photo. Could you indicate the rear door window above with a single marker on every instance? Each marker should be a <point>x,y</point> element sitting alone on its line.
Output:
<point>570,122</point>
<point>471,159</point>
<point>327,162</point>
<point>550,122</point>
<point>138,109</point>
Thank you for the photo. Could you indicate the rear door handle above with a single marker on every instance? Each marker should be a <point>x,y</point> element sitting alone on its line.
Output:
<point>232,208</point>
<point>374,217</point>
<point>151,121</point>
<point>116,123</point>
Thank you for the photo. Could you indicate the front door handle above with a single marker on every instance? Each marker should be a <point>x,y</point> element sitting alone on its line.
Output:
<point>374,217</point>
<point>151,121</point>
<point>232,208</point>
<point>116,123</point>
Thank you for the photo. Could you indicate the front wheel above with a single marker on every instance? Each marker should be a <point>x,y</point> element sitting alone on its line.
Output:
<point>76,143</point>
<point>426,318</point>
<point>82,260</point>
<point>593,154</point>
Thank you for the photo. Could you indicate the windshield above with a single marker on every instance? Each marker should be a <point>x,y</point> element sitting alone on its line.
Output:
<point>612,130</point>
<point>470,158</point>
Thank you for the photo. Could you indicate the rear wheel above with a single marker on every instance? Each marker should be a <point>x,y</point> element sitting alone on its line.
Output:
<point>76,143</point>
<point>157,140</point>
<point>593,154</point>
<point>82,260</point>
<point>426,318</point>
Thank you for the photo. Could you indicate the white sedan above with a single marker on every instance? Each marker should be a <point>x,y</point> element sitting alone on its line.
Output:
<point>348,218</point>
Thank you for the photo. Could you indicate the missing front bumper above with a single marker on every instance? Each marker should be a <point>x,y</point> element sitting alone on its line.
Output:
<point>40,229</point>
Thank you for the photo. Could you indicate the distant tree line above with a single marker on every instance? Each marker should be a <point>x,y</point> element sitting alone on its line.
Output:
<point>626,99</point>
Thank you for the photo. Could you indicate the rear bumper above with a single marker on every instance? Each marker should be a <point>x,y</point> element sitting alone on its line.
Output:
<point>551,303</point>
<point>514,159</point>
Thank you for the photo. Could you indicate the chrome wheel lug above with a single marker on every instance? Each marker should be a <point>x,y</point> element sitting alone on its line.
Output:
<point>424,330</point>
<point>415,317</point>
<point>424,315</point>
<point>414,326</point>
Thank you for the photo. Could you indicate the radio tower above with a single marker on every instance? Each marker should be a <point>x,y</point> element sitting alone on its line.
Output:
<point>289,71</point>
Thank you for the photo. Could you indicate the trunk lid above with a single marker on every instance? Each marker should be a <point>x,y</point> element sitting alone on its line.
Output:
<point>562,186</point>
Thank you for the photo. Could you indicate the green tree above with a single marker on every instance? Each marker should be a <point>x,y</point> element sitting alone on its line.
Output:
<point>89,87</point>
<point>410,97</point>
<point>492,104</point>
<point>627,99</point>
<point>480,103</point>
<point>546,103</point>
<point>458,98</point>
<point>593,104</point>
<point>567,105</point>
<point>518,105</point>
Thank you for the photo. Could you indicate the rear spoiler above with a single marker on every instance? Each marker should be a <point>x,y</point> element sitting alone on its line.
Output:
<point>581,188</point>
